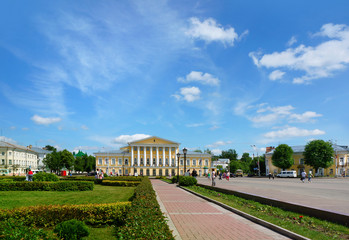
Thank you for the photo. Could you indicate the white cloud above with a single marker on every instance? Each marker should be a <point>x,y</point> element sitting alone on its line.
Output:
<point>204,78</point>
<point>216,152</point>
<point>45,121</point>
<point>189,94</point>
<point>316,62</point>
<point>124,139</point>
<point>6,139</point>
<point>85,149</point>
<point>305,117</point>
<point>84,127</point>
<point>276,75</point>
<point>195,125</point>
<point>209,30</point>
<point>218,143</point>
<point>292,41</point>
<point>291,132</point>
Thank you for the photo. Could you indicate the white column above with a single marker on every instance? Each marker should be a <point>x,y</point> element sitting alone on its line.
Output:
<point>132,156</point>
<point>163,156</point>
<point>145,155</point>
<point>157,156</point>
<point>151,156</point>
<point>169,156</point>
<point>138,155</point>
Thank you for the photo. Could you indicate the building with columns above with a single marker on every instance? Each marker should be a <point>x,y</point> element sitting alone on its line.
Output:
<point>152,156</point>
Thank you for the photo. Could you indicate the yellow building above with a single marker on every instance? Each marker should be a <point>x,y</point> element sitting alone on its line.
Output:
<point>340,164</point>
<point>152,156</point>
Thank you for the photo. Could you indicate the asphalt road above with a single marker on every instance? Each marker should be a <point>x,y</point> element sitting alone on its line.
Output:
<point>323,193</point>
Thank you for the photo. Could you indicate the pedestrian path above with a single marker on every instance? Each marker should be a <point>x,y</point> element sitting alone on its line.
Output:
<point>191,217</point>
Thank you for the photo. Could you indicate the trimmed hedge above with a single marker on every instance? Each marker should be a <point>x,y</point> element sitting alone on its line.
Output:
<point>46,186</point>
<point>125,178</point>
<point>120,183</point>
<point>45,177</point>
<point>145,219</point>
<point>77,178</point>
<point>14,178</point>
<point>51,215</point>
<point>187,181</point>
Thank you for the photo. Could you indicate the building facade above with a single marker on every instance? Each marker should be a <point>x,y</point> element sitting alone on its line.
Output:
<point>152,156</point>
<point>339,167</point>
<point>16,159</point>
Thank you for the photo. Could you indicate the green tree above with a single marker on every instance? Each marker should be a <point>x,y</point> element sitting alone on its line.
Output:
<point>318,153</point>
<point>282,156</point>
<point>208,151</point>
<point>79,164</point>
<point>67,159</point>
<point>90,163</point>
<point>246,158</point>
<point>50,148</point>
<point>198,151</point>
<point>230,153</point>
<point>52,161</point>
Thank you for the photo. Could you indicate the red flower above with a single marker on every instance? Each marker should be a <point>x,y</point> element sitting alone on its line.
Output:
<point>300,216</point>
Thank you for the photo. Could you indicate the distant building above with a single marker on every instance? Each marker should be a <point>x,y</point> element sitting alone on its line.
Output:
<point>151,156</point>
<point>224,162</point>
<point>42,153</point>
<point>16,159</point>
<point>79,154</point>
<point>340,164</point>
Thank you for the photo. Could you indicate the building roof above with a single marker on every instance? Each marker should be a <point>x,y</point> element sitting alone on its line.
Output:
<point>14,146</point>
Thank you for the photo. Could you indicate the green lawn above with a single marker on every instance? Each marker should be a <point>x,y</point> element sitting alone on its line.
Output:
<point>100,194</point>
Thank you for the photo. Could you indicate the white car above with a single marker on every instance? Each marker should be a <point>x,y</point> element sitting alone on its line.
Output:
<point>287,174</point>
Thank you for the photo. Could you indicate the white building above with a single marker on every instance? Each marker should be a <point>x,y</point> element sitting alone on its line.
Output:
<point>224,162</point>
<point>15,159</point>
<point>41,155</point>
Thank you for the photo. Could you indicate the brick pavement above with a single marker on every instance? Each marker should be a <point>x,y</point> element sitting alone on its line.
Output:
<point>194,218</point>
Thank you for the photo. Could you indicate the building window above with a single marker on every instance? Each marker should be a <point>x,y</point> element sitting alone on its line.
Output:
<point>166,161</point>
<point>166,149</point>
<point>194,162</point>
<point>126,161</point>
<point>200,162</point>
<point>120,161</point>
<point>10,162</point>
<point>331,171</point>
<point>154,172</point>
<point>135,162</point>
<point>160,148</point>
<point>3,161</point>
<point>142,149</point>
<point>10,153</point>
<point>142,161</point>
<point>206,162</point>
<point>148,161</point>
<point>154,161</point>
<point>188,162</point>
<point>134,148</point>
<point>3,153</point>
<point>301,161</point>
<point>106,161</point>
<point>173,162</point>
<point>173,149</point>
<point>181,161</point>
<point>99,161</point>
<point>148,148</point>
<point>154,148</point>
<point>160,161</point>
<point>113,161</point>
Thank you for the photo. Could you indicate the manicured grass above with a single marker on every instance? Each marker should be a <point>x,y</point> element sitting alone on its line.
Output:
<point>107,232</point>
<point>310,227</point>
<point>100,194</point>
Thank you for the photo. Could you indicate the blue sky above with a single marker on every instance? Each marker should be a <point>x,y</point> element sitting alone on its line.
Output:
<point>94,75</point>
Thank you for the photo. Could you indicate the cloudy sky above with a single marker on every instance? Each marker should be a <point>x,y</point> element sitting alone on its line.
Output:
<point>94,75</point>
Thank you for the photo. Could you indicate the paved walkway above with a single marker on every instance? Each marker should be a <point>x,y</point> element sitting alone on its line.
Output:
<point>191,217</point>
<point>328,194</point>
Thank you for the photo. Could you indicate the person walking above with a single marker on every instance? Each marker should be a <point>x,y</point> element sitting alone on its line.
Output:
<point>269,175</point>
<point>228,175</point>
<point>213,178</point>
<point>310,175</point>
<point>194,173</point>
<point>30,175</point>
<point>303,175</point>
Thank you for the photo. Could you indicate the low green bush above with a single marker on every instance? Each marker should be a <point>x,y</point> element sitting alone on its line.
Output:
<point>45,177</point>
<point>174,179</point>
<point>46,186</point>
<point>11,229</point>
<point>125,178</point>
<point>187,181</point>
<point>77,178</point>
<point>145,219</point>
<point>14,178</point>
<point>120,183</point>
<point>51,215</point>
<point>72,230</point>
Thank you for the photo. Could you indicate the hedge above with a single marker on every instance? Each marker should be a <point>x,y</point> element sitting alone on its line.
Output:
<point>46,186</point>
<point>120,183</point>
<point>145,219</point>
<point>187,181</point>
<point>77,178</point>
<point>14,178</point>
<point>125,178</point>
<point>51,215</point>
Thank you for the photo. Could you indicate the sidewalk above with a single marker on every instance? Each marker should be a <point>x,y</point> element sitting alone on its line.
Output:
<point>191,217</point>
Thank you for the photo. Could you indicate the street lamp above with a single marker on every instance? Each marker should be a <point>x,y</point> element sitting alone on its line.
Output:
<point>255,148</point>
<point>185,159</point>
<point>178,155</point>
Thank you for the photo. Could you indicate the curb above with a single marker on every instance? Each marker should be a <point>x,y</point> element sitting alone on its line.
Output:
<point>261,222</point>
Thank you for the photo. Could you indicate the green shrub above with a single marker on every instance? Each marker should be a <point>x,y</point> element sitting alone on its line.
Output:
<point>120,183</point>
<point>72,230</point>
<point>46,186</point>
<point>13,230</point>
<point>125,178</point>
<point>14,178</point>
<point>144,220</point>
<point>45,177</point>
<point>187,181</point>
<point>51,215</point>
<point>174,179</point>
<point>77,178</point>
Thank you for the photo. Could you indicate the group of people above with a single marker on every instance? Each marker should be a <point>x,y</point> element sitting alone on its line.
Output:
<point>304,175</point>
<point>221,176</point>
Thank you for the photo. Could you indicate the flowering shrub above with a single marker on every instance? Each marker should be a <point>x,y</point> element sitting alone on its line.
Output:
<point>46,186</point>
<point>51,215</point>
<point>145,219</point>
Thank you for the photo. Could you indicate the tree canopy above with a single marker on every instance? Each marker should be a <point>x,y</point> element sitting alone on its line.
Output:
<point>282,156</point>
<point>318,153</point>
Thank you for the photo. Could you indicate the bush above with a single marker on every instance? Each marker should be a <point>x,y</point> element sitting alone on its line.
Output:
<point>51,215</point>
<point>46,186</point>
<point>125,178</point>
<point>45,177</point>
<point>14,230</point>
<point>187,181</point>
<point>14,178</point>
<point>72,230</point>
<point>174,179</point>
<point>145,219</point>
<point>120,183</point>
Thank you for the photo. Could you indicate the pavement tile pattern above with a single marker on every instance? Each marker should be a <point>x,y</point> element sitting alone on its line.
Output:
<point>195,218</point>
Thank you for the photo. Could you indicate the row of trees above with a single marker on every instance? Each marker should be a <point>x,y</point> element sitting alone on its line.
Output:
<point>58,160</point>
<point>317,153</point>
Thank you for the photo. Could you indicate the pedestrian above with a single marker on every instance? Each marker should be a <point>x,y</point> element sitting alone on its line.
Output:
<point>220,175</point>
<point>30,175</point>
<point>310,175</point>
<point>269,175</point>
<point>303,175</point>
<point>194,173</point>
<point>227,176</point>
<point>213,178</point>
<point>208,175</point>
<point>273,175</point>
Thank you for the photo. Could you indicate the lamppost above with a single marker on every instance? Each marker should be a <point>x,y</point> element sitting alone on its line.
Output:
<point>255,148</point>
<point>185,159</point>
<point>178,155</point>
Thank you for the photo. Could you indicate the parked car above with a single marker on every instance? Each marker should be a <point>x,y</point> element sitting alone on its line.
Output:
<point>239,173</point>
<point>287,174</point>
